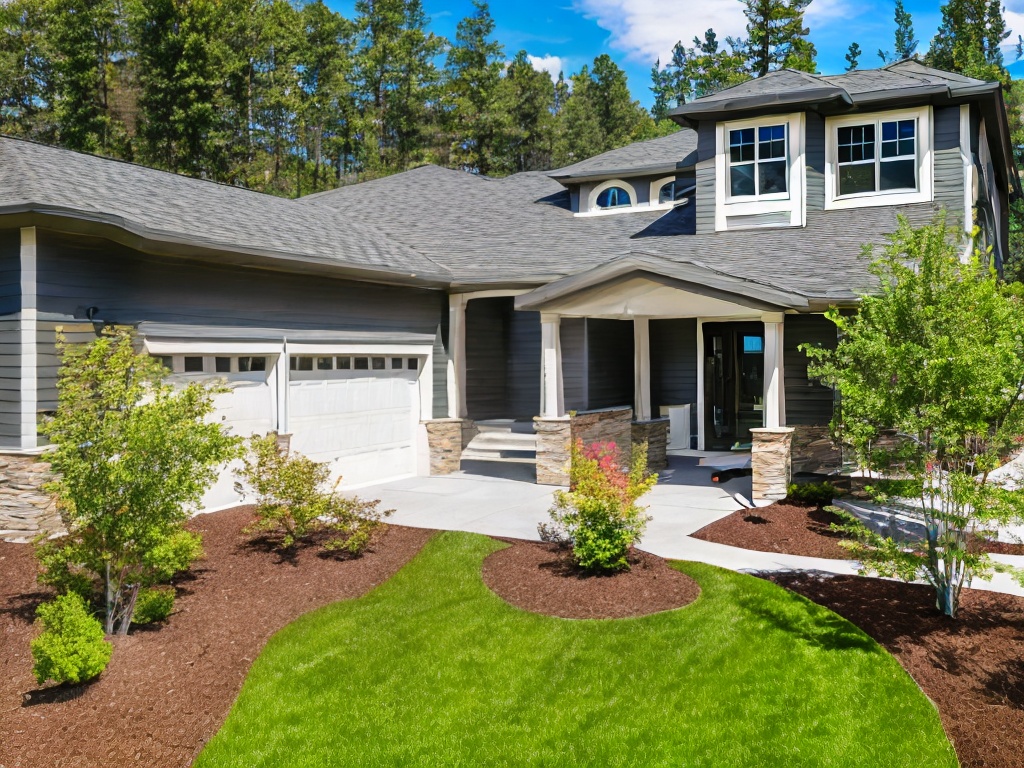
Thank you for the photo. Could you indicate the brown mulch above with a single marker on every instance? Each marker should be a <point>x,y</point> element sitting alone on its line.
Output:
<point>972,667</point>
<point>542,578</point>
<point>168,688</point>
<point>790,529</point>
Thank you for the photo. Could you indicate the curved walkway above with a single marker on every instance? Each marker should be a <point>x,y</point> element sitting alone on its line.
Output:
<point>683,502</point>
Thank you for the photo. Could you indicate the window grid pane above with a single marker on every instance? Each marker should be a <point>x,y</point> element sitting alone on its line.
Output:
<point>222,364</point>
<point>759,168</point>
<point>193,364</point>
<point>344,363</point>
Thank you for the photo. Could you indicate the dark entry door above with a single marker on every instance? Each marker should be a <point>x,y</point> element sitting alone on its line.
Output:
<point>733,384</point>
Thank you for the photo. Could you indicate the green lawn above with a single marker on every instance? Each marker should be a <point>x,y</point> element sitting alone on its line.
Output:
<point>433,669</point>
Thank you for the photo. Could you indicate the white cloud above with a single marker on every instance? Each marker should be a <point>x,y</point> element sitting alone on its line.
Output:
<point>648,29</point>
<point>548,63</point>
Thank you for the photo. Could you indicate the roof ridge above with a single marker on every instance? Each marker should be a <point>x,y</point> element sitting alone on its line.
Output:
<point>133,164</point>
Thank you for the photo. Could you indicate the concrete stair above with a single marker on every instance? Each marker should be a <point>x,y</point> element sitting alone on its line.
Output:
<point>503,440</point>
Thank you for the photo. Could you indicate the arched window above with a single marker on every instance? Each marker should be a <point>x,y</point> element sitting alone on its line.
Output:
<point>613,197</point>
<point>673,192</point>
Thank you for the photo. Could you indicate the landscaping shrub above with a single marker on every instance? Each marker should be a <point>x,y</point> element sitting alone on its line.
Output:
<point>598,516</point>
<point>153,605</point>
<point>294,502</point>
<point>818,494</point>
<point>71,648</point>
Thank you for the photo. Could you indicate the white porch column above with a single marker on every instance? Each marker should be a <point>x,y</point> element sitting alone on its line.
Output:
<point>29,356</point>
<point>281,373</point>
<point>552,404</point>
<point>642,368</point>
<point>774,381</point>
<point>457,356</point>
<point>699,415</point>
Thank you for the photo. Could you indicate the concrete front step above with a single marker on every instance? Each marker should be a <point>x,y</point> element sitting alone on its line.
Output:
<point>497,443</point>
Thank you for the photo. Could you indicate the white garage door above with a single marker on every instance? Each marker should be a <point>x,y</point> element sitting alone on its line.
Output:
<point>362,417</point>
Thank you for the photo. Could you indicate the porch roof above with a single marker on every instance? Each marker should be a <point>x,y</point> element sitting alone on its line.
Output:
<point>644,285</point>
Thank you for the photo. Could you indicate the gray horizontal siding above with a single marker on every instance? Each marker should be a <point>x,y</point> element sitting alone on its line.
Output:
<point>673,362</point>
<point>573,337</point>
<point>10,381</point>
<point>523,364</point>
<point>769,219</point>
<point>48,359</point>
<point>10,271</point>
<point>807,402</point>
<point>815,162</point>
<point>440,405</point>
<point>946,130</point>
<point>949,181</point>
<point>486,353</point>
<point>610,363</point>
<point>706,139</point>
<point>705,177</point>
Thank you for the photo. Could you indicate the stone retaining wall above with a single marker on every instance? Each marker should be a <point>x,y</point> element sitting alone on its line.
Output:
<point>553,439</point>
<point>655,434</point>
<point>609,425</point>
<point>771,463</point>
<point>814,451</point>
<point>25,509</point>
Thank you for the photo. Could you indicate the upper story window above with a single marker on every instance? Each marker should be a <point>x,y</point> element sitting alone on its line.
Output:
<point>878,156</point>
<point>674,191</point>
<point>613,197</point>
<point>758,162</point>
<point>879,159</point>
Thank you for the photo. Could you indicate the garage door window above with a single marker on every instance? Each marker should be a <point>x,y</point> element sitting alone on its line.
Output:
<point>213,363</point>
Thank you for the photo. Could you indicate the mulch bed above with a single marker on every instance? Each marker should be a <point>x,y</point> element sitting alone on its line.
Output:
<point>972,667</point>
<point>168,688</point>
<point>790,529</point>
<point>542,578</point>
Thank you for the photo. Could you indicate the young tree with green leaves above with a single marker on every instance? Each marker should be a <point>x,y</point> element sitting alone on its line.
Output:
<point>936,358</point>
<point>776,37</point>
<point>133,456</point>
<point>906,43</point>
<point>969,39</point>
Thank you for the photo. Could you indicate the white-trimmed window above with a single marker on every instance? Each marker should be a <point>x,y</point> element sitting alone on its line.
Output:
<point>759,162</point>
<point>668,191</point>
<point>879,159</point>
<point>198,364</point>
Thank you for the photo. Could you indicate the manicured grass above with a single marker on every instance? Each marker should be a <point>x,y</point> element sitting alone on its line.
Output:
<point>433,669</point>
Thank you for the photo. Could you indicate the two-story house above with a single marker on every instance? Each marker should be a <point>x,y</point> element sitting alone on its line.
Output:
<point>375,322</point>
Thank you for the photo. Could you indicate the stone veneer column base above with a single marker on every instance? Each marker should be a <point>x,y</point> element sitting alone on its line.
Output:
<point>771,463</point>
<point>814,451</point>
<point>445,441</point>
<point>26,510</point>
<point>553,439</point>
<point>655,434</point>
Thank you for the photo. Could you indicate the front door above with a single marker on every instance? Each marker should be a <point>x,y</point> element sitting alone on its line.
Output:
<point>733,384</point>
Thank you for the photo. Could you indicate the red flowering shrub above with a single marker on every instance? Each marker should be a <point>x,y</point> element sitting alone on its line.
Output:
<point>599,516</point>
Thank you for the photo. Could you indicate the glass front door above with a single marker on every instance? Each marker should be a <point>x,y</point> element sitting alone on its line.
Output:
<point>733,384</point>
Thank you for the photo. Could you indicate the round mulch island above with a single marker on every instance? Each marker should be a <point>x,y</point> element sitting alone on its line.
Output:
<point>542,578</point>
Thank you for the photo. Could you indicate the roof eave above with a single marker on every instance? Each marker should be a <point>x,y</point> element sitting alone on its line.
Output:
<point>690,114</point>
<point>622,173</point>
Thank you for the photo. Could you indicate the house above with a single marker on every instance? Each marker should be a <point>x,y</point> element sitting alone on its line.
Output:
<point>388,325</point>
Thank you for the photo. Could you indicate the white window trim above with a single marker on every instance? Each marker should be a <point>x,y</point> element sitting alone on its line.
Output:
<point>791,202</point>
<point>650,205</point>
<point>925,191</point>
<point>592,197</point>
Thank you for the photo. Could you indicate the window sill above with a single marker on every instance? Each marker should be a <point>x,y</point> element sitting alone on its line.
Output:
<point>876,199</point>
<point>629,209</point>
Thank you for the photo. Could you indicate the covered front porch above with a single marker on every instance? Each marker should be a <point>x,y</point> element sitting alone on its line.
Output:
<point>695,355</point>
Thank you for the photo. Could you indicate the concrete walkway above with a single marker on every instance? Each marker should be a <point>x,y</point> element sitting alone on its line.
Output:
<point>684,501</point>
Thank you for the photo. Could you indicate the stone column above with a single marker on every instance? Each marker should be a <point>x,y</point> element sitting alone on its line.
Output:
<point>26,510</point>
<point>655,434</point>
<point>771,463</point>
<point>774,381</point>
<point>445,443</point>
<point>553,438</point>
<point>552,405</point>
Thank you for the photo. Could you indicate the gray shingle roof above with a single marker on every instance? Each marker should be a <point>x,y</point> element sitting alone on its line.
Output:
<point>519,230</point>
<point>677,150</point>
<point>168,207</point>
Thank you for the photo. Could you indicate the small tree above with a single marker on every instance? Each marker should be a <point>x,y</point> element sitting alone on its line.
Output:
<point>134,456</point>
<point>599,516</point>
<point>931,375</point>
<point>295,499</point>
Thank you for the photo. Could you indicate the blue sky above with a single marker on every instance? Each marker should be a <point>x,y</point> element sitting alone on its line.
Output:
<point>569,33</point>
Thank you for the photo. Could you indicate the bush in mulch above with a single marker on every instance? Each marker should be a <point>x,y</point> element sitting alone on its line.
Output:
<point>168,688</point>
<point>791,529</point>
<point>971,666</point>
<point>543,578</point>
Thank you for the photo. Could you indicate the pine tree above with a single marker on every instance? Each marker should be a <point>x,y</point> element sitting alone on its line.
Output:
<point>474,68</point>
<point>906,44</point>
<point>528,96</point>
<point>670,85</point>
<point>710,68</point>
<point>969,39</point>
<point>776,36</point>
<point>853,57</point>
<point>25,70</point>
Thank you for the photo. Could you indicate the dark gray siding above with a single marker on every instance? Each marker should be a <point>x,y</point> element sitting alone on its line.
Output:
<point>440,405</point>
<point>610,363</point>
<point>947,127</point>
<point>815,148</point>
<point>523,364</point>
<point>705,178</point>
<point>673,363</point>
<point>573,337</point>
<point>10,381</point>
<point>807,402</point>
<point>10,271</point>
